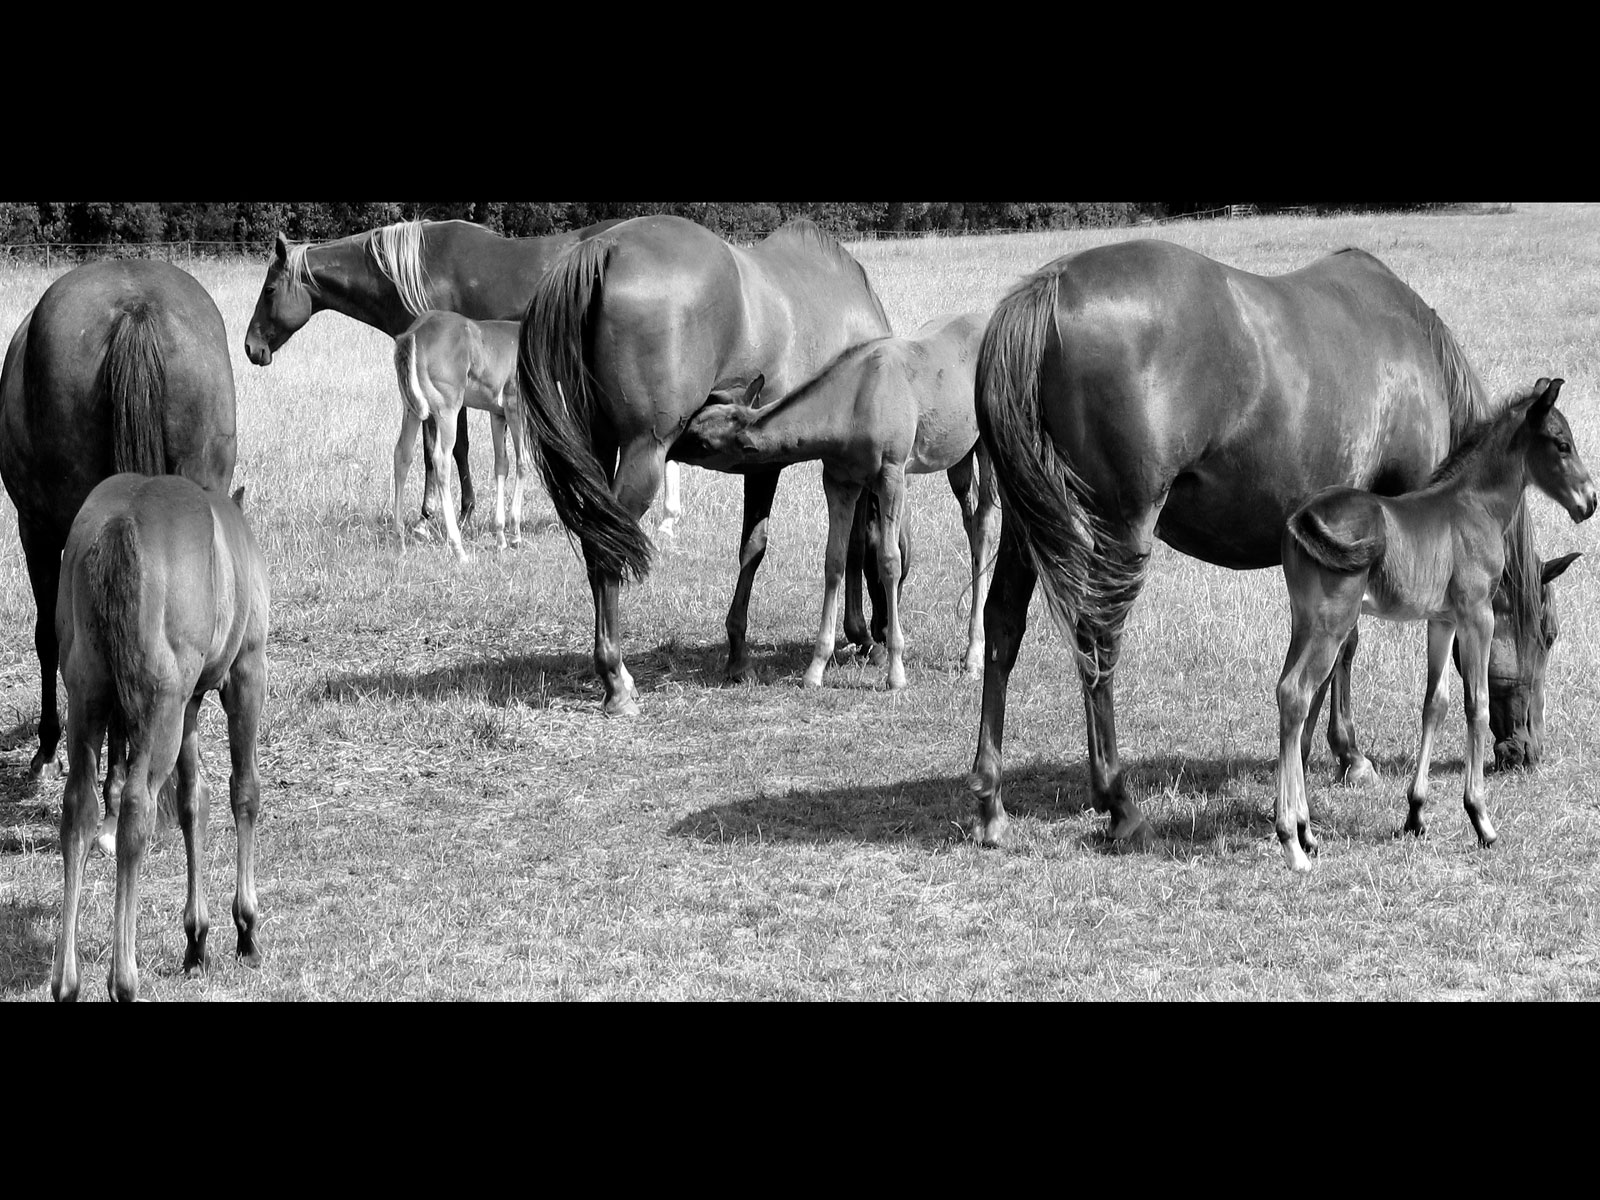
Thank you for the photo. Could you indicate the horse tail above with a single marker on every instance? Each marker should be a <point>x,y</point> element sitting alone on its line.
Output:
<point>1341,529</point>
<point>115,584</point>
<point>561,407</point>
<point>412,396</point>
<point>1045,507</point>
<point>133,379</point>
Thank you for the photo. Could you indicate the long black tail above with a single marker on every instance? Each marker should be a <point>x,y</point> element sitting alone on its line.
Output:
<point>133,378</point>
<point>1044,505</point>
<point>561,401</point>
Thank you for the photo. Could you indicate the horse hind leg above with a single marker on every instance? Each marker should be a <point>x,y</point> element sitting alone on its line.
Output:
<point>1313,650</point>
<point>441,463</point>
<point>672,502</point>
<point>975,492</point>
<point>241,700</point>
<point>497,431</point>
<point>116,779</point>
<point>405,446</point>
<point>634,485</point>
<point>1005,620</point>
<point>85,726</point>
<point>44,574</point>
<point>841,509</point>
<point>194,809</point>
<point>1355,768</point>
<point>891,504</point>
<point>1475,634</point>
<point>759,488</point>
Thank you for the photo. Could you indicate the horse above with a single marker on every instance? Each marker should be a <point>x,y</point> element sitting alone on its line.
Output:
<point>1433,555</point>
<point>1141,390</point>
<point>121,366</point>
<point>882,410</point>
<point>447,363</point>
<point>390,276</point>
<point>163,598</point>
<point>626,338</point>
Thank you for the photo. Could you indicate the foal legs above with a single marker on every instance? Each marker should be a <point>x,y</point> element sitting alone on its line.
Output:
<point>241,700</point>
<point>891,502</point>
<point>672,502</point>
<point>842,497</point>
<point>497,430</point>
<point>980,513</point>
<point>441,464</point>
<point>1475,634</point>
<point>86,726</point>
<point>405,446</point>
<point>1435,702</point>
<point>194,811</point>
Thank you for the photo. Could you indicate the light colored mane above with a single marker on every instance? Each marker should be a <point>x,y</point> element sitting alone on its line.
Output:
<point>397,249</point>
<point>297,269</point>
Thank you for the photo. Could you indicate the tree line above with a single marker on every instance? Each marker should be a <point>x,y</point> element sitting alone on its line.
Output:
<point>246,226</point>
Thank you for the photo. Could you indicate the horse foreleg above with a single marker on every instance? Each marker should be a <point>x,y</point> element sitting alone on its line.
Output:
<point>1005,620</point>
<point>891,503</point>
<point>194,811</point>
<point>44,573</point>
<point>1475,634</point>
<point>1435,701</point>
<point>672,502</point>
<point>241,700</point>
<point>841,508</point>
<point>497,431</point>
<point>77,829</point>
<point>404,447</point>
<point>759,487</point>
<point>1355,768</point>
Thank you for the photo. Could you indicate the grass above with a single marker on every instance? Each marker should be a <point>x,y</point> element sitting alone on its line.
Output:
<point>446,815</point>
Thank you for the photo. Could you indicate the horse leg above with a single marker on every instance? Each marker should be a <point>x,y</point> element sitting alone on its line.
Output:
<point>634,485</point>
<point>458,450</point>
<point>1355,768</point>
<point>1475,634</point>
<point>44,573</point>
<point>430,480</point>
<point>441,463</point>
<point>1005,619</point>
<point>980,514</point>
<point>105,841</point>
<point>672,502</point>
<point>152,754</point>
<point>86,726</point>
<point>759,487</point>
<point>841,509</point>
<point>1312,652</point>
<point>1435,700</point>
<point>241,700</point>
<point>497,431</point>
<point>405,446</point>
<point>891,503</point>
<point>861,563</point>
<point>519,454</point>
<point>194,810</point>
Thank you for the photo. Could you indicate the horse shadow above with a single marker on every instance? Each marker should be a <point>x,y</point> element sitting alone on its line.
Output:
<point>27,945</point>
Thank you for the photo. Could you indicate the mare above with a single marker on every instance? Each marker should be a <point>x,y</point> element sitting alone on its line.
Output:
<point>121,366</point>
<point>882,410</point>
<point>1433,555</point>
<point>626,338</point>
<point>390,276</point>
<point>447,363</point>
<point>163,598</point>
<point>1141,390</point>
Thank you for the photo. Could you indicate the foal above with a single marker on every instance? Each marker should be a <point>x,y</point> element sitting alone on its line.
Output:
<point>880,411</point>
<point>445,362</point>
<point>163,597</point>
<point>1431,555</point>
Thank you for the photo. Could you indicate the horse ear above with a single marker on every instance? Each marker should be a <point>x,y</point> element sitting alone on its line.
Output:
<point>1545,398</point>
<point>238,497</point>
<point>281,249</point>
<point>1550,570</point>
<point>753,393</point>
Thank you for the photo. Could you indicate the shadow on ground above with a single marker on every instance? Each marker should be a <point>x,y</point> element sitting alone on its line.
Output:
<point>27,945</point>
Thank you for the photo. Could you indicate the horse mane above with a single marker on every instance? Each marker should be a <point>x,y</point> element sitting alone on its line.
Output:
<point>1479,437</point>
<point>297,269</point>
<point>807,233</point>
<point>397,249</point>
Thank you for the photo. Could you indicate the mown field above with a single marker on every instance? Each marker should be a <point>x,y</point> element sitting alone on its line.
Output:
<point>447,816</point>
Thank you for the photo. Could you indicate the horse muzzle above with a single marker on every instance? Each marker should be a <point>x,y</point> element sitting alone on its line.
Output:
<point>1515,754</point>
<point>257,351</point>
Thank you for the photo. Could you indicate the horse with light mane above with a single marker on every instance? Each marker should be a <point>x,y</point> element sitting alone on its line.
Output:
<point>882,410</point>
<point>446,363</point>
<point>1432,555</point>
<point>163,597</point>
<point>390,276</point>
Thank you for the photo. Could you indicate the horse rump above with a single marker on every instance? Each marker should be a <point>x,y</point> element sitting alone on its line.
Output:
<point>1341,528</point>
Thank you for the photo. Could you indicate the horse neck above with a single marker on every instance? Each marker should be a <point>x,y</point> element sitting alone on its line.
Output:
<point>349,282</point>
<point>810,421</point>
<point>1497,481</point>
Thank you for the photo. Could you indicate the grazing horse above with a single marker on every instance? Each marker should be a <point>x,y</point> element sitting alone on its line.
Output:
<point>121,366</point>
<point>163,598</point>
<point>1141,390</point>
<point>388,277</point>
<point>1433,555</point>
<point>625,340</point>
<point>447,363</point>
<point>880,411</point>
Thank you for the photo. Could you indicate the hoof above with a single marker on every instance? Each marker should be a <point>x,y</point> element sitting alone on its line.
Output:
<point>193,959</point>
<point>423,530</point>
<point>42,768</point>
<point>1130,833</point>
<point>812,678</point>
<point>626,706</point>
<point>878,655</point>
<point>1359,773</point>
<point>250,957</point>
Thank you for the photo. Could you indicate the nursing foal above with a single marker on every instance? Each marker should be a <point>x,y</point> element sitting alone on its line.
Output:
<point>1432,555</point>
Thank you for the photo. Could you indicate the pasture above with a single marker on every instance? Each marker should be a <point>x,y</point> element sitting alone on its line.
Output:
<point>446,815</point>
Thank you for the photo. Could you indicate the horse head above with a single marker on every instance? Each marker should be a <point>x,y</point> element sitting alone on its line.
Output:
<point>1554,465</point>
<point>717,436</point>
<point>1517,661</point>
<point>283,306</point>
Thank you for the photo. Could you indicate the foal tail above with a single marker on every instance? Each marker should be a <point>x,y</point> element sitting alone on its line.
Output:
<point>133,379</point>
<point>561,406</point>
<point>1045,507</point>
<point>405,369</point>
<point>1342,529</point>
<point>115,582</point>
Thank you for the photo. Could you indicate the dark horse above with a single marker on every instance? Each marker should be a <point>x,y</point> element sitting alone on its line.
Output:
<point>389,277</point>
<point>627,337</point>
<point>1141,390</point>
<point>163,598</point>
<point>1433,555</point>
<point>121,366</point>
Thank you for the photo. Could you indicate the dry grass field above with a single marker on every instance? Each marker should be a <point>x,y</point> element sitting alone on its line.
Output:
<point>446,815</point>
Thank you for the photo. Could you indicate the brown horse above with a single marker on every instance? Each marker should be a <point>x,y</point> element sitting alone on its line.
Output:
<point>447,363</point>
<point>1141,390</point>
<point>121,366</point>
<point>625,340</point>
<point>882,410</point>
<point>163,598</point>
<point>1433,555</point>
<point>388,277</point>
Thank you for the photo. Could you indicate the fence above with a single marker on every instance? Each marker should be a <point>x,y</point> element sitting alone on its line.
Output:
<point>51,253</point>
